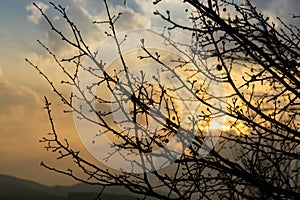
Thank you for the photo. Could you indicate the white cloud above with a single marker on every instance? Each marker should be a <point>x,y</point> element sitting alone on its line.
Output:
<point>131,19</point>
<point>83,13</point>
<point>34,14</point>
<point>78,1</point>
<point>176,8</point>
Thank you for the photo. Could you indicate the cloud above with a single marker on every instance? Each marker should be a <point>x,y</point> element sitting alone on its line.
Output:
<point>18,103</point>
<point>130,19</point>
<point>34,14</point>
<point>79,15</point>
<point>176,8</point>
<point>20,118</point>
<point>132,4</point>
<point>284,9</point>
<point>23,123</point>
<point>83,13</point>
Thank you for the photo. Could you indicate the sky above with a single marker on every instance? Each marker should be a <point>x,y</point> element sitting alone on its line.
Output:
<point>23,121</point>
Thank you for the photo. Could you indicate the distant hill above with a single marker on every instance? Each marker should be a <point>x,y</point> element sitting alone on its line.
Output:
<point>12,188</point>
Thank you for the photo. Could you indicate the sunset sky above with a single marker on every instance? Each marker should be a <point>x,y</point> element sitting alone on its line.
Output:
<point>23,121</point>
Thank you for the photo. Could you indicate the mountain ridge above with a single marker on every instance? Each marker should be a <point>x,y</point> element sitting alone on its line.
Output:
<point>17,187</point>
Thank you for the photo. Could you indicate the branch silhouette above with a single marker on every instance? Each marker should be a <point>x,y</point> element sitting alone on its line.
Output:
<point>233,46</point>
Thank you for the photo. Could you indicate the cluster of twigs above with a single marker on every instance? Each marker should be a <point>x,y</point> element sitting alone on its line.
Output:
<point>257,156</point>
